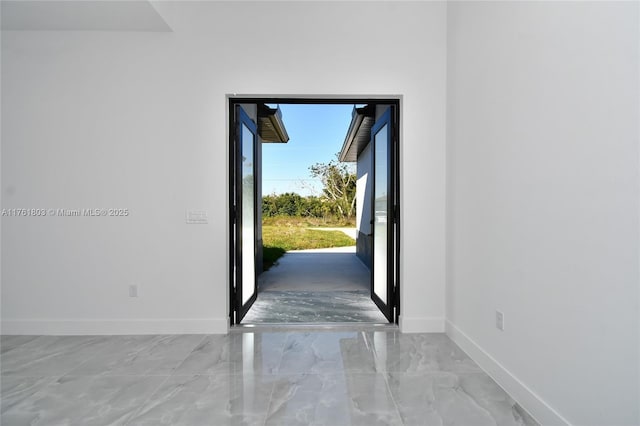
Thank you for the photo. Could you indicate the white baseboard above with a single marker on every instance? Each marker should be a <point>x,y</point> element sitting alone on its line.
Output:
<point>525,397</point>
<point>75,327</point>
<point>421,325</point>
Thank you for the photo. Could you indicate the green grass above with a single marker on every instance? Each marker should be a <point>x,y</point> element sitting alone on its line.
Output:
<point>282,234</point>
<point>293,238</point>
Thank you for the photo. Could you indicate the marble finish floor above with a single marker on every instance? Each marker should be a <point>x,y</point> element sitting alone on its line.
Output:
<point>271,377</point>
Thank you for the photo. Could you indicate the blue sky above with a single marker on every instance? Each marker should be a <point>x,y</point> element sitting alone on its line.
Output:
<point>316,134</point>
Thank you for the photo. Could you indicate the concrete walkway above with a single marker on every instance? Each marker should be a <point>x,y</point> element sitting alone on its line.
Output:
<point>315,286</point>
<point>333,269</point>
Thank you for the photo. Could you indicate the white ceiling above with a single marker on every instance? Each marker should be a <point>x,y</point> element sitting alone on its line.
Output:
<point>81,15</point>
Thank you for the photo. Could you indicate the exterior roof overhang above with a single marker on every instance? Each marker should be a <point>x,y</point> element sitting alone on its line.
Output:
<point>270,125</point>
<point>359,133</point>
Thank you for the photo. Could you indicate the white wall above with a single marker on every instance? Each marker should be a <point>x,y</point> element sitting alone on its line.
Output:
<point>543,202</point>
<point>364,187</point>
<point>138,121</point>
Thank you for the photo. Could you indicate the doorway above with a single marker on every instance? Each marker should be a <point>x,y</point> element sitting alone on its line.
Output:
<point>372,141</point>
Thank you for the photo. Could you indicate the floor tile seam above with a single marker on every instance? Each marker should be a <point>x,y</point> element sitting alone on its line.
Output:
<point>433,371</point>
<point>393,398</point>
<point>498,385</point>
<point>280,351</point>
<point>346,375</point>
<point>378,365</point>
<point>266,414</point>
<point>370,346</point>
<point>223,374</point>
<point>458,388</point>
<point>286,338</point>
<point>135,412</point>
<point>325,375</point>
<point>115,375</point>
<point>377,369</point>
<point>330,374</point>
<point>136,352</point>
<point>331,371</point>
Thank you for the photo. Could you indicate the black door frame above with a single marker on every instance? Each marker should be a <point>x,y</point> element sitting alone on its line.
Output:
<point>386,119</point>
<point>243,120</point>
<point>394,218</point>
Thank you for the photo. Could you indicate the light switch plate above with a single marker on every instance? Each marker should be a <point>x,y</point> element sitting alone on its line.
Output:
<point>197,217</point>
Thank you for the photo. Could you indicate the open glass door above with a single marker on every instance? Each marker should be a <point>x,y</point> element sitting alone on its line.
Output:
<point>383,218</point>
<point>245,283</point>
<point>251,123</point>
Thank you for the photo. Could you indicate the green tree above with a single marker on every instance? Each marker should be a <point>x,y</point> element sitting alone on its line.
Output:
<point>269,205</point>
<point>292,204</point>
<point>339,186</point>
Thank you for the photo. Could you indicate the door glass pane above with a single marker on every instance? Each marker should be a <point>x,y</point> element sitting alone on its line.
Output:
<point>380,215</point>
<point>248,222</point>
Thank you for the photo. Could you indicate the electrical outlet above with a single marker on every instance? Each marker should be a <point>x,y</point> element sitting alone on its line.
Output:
<point>133,290</point>
<point>499,320</point>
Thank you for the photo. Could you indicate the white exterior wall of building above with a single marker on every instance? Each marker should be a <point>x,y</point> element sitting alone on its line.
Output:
<point>363,207</point>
